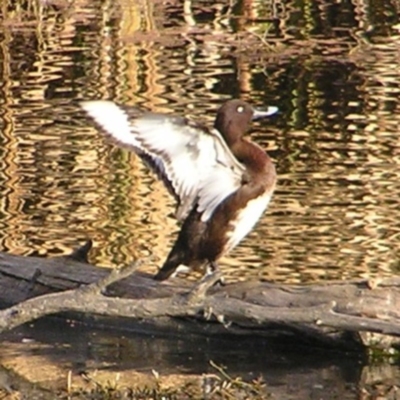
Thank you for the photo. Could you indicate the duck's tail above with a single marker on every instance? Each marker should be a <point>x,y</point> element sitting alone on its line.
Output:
<point>172,265</point>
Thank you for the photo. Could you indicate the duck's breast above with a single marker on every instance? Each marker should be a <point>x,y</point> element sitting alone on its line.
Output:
<point>245,220</point>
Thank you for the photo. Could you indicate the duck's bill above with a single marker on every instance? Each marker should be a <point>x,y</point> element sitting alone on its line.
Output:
<point>271,110</point>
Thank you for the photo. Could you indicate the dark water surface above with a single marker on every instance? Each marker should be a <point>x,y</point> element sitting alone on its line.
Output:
<point>331,67</point>
<point>290,369</point>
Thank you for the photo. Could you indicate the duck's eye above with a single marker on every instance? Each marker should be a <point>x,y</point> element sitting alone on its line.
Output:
<point>240,109</point>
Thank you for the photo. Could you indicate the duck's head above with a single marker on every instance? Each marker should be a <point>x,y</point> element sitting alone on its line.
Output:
<point>234,117</point>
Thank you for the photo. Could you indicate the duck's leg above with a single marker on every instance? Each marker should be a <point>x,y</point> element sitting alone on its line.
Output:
<point>213,267</point>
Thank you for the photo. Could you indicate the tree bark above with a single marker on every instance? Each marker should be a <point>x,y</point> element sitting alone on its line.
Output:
<point>345,314</point>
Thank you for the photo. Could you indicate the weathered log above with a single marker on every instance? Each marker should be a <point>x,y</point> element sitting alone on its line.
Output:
<point>334,313</point>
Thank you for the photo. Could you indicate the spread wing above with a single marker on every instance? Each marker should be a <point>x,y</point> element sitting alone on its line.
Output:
<point>195,164</point>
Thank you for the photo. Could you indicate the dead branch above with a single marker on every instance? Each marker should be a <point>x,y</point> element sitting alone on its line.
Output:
<point>331,313</point>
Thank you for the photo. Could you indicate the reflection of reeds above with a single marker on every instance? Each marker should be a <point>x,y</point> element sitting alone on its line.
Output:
<point>339,101</point>
<point>21,9</point>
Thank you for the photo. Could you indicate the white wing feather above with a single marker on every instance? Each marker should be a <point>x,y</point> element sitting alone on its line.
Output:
<point>112,119</point>
<point>197,163</point>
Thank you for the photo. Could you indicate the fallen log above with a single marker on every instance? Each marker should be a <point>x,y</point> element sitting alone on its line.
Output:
<point>343,314</point>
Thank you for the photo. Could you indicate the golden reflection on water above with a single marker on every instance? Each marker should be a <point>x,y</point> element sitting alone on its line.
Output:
<point>335,211</point>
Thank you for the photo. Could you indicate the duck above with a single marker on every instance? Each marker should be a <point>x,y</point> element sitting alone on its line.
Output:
<point>221,180</point>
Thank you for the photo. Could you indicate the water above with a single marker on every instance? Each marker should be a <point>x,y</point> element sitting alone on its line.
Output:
<point>334,213</point>
<point>332,68</point>
<point>290,370</point>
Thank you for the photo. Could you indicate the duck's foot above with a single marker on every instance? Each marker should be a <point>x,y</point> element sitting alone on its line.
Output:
<point>213,267</point>
<point>200,289</point>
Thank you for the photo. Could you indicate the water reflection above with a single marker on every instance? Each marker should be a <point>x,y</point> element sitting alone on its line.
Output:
<point>290,370</point>
<point>335,143</point>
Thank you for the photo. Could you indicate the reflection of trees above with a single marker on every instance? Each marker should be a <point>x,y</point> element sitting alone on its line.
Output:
<point>331,67</point>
